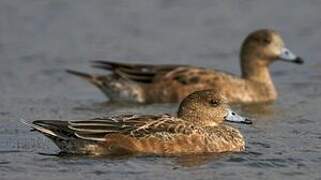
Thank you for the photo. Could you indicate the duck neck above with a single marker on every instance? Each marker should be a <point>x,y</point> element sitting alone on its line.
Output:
<point>256,70</point>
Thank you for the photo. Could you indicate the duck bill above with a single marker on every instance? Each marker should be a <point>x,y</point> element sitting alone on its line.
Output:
<point>288,56</point>
<point>235,118</point>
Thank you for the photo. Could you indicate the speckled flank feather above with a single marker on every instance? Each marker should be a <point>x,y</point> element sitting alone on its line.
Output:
<point>194,130</point>
<point>171,83</point>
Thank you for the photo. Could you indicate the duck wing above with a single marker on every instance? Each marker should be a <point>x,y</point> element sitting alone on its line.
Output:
<point>131,125</point>
<point>144,73</point>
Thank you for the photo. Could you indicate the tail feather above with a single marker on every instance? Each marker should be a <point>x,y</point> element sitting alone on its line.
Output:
<point>49,128</point>
<point>117,87</point>
<point>93,79</point>
<point>39,128</point>
<point>80,74</point>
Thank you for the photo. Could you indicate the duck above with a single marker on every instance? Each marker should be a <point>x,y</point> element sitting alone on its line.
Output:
<point>199,127</point>
<point>145,83</point>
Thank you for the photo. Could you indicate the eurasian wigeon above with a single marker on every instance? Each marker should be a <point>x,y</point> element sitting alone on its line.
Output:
<point>198,128</point>
<point>171,83</point>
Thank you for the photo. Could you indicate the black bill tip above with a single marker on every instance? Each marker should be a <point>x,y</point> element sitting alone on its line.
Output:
<point>298,60</point>
<point>247,121</point>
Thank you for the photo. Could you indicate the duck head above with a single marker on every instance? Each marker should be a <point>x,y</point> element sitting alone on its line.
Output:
<point>263,47</point>
<point>208,108</point>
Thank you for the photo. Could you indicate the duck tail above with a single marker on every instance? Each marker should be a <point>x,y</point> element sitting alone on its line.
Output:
<point>93,79</point>
<point>60,134</point>
<point>50,128</point>
<point>80,74</point>
<point>115,87</point>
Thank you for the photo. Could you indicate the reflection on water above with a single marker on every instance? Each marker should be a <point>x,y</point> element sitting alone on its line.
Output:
<point>197,160</point>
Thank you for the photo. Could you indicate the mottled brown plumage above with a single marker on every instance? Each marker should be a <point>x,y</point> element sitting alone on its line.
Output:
<point>198,128</point>
<point>171,83</point>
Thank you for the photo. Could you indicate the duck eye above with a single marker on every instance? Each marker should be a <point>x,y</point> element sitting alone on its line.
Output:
<point>266,41</point>
<point>214,103</point>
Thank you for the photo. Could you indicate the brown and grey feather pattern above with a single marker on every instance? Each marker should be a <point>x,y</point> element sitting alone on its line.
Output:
<point>132,125</point>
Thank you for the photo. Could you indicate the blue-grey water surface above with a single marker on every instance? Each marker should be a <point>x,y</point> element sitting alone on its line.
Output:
<point>40,38</point>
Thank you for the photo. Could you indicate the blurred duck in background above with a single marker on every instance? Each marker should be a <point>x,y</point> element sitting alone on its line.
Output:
<point>171,83</point>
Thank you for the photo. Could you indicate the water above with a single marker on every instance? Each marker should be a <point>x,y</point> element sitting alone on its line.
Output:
<point>38,39</point>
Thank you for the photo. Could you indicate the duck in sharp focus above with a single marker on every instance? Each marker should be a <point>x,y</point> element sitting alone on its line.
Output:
<point>198,128</point>
<point>171,83</point>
